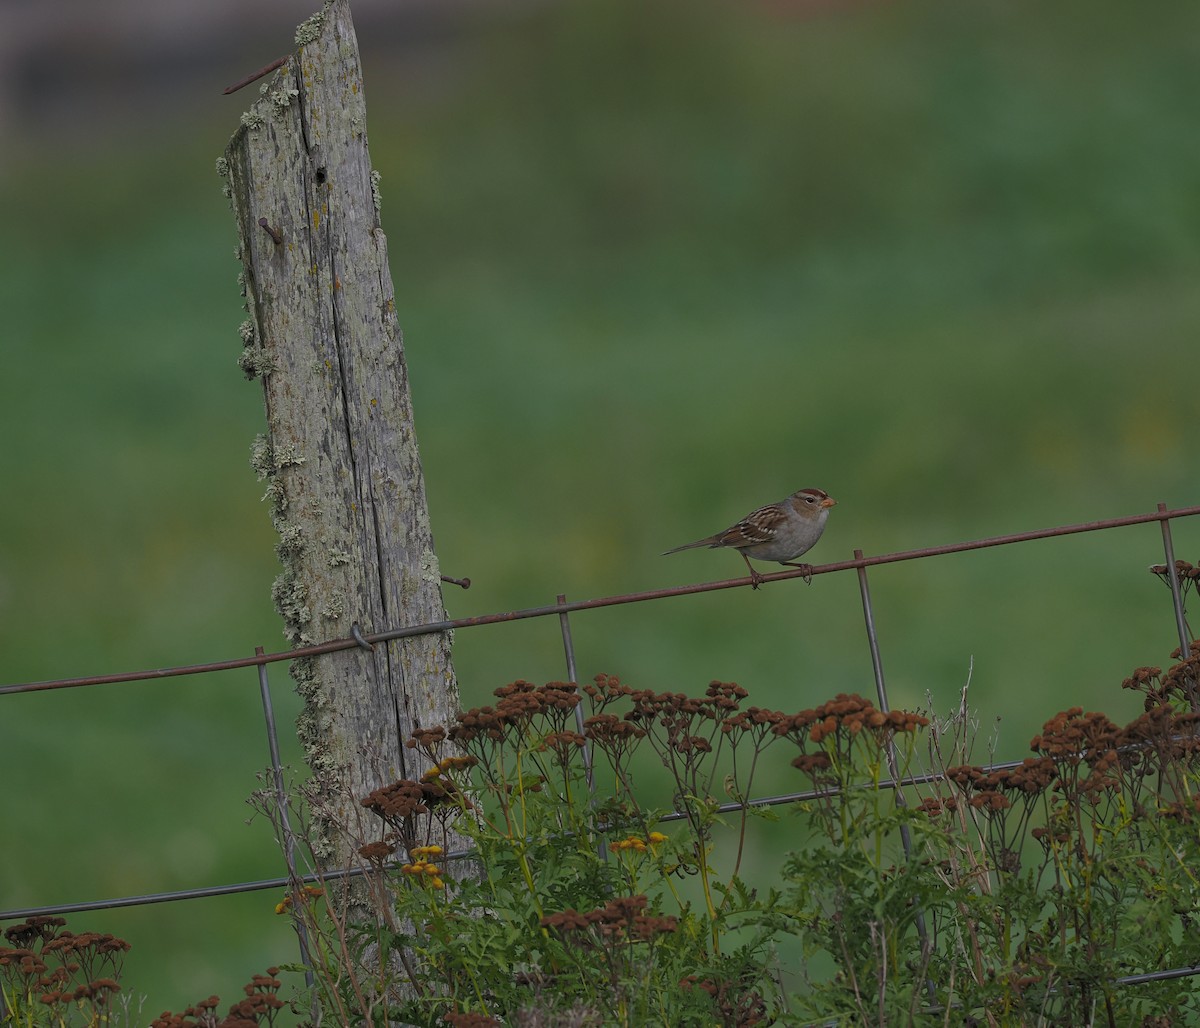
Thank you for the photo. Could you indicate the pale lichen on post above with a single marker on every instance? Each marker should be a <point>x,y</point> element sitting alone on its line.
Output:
<point>431,570</point>
<point>275,497</point>
<point>376,195</point>
<point>309,30</point>
<point>261,458</point>
<point>255,363</point>
<point>253,359</point>
<point>334,608</point>
<point>289,456</point>
<point>281,99</point>
<point>222,166</point>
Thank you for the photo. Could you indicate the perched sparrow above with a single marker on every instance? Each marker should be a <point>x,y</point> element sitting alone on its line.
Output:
<point>779,531</point>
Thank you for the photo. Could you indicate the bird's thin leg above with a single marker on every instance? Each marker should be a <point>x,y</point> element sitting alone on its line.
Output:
<point>755,577</point>
<point>807,569</point>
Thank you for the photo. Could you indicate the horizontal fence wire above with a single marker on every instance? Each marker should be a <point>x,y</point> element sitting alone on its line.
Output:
<point>461,854</point>
<point>429,628</point>
<point>562,608</point>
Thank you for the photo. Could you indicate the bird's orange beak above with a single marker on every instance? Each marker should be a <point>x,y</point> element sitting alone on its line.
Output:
<point>829,501</point>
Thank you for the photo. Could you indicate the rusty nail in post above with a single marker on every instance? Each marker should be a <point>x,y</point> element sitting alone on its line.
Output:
<point>274,233</point>
<point>357,636</point>
<point>464,582</point>
<point>279,62</point>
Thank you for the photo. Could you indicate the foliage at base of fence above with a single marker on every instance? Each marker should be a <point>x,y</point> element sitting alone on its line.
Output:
<point>1022,895</point>
<point>51,977</point>
<point>997,897</point>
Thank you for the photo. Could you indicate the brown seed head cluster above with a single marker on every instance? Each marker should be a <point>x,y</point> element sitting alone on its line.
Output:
<point>59,966</point>
<point>469,1020</point>
<point>563,744</point>
<point>1071,735</point>
<point>675,723</point>
<point>428,740</point>
<point>260,1007</point>
<point>1186,572</point>
<point>1086,757</point>
<point>614,735</point>
<point>757,721</point>
<point>399,800</point>
<point>935,806</point>
<point>735,1006</point>
<point>1180,683</point>
<point>849,714</point>
<point>377,853</point>
<point>1185,810</point>
<point>836,726</point>
<point>518,704</point>
<point>988,790</point>
<point>621,917</point>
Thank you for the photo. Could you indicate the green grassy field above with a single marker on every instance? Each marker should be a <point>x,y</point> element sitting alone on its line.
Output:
<point>656,264</point>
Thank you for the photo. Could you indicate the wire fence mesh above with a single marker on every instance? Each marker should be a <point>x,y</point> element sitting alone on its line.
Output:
<point>562,609</point>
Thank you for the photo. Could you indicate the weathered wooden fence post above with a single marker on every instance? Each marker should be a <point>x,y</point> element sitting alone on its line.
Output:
<point>340,453</point>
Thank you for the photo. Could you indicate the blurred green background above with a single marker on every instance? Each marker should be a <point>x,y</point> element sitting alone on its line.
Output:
<point>657,263</point>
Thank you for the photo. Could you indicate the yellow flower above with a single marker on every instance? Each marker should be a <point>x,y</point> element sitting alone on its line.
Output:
<point>424,869</point>
<point>635,843</point>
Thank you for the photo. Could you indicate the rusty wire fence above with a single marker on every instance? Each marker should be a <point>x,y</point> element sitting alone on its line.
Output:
<point>562,609</point>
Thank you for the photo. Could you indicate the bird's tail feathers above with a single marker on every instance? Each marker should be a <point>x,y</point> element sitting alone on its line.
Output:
<point>709,541</point>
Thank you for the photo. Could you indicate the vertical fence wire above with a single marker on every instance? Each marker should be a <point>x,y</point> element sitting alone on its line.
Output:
<point>295,884</point>
<point>573,676</point>
<point>864,590</point>
<point>1181,625</point>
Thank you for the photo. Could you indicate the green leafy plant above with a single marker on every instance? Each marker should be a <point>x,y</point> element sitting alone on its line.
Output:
<point>1020,894</point>
<point>573,905</point>
<point>1028,891</point>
